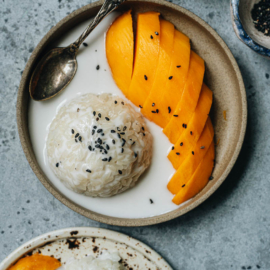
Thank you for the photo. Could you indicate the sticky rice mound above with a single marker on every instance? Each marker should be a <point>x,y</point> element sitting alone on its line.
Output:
<point>105,261</point>
<point>98,145</point>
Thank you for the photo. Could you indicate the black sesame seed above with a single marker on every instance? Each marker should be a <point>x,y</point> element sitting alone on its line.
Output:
<point>140,106</point>
<point>178,66</point>
<point>135,154</point>
<point>95,127</point>
<point>123,143</point>
<point>133,143</point>
<point>57,165</point>
<point>119,136</point>
<point>76,140</point>
<point>89,171</point>
<point>184,185</point>
<point>99,115</point>
<point>124,128</point>
<point>211,178</point>
<point>102,134</point>
<point>113,141</point>
<point>191,133</point>
<point>99,130</point>
<point>112,131</point>
<point>107,147</point>
<point>97,119</point>
<point>143,134</point>
<point>192,153</point>
<point>184,126</point>
<point>80,138</point>
<point>122,102</point>
<point>122,133</point>
<point>151,37</point>
<point>107,118</point>
<point>120,172</point>
<point>104,159</point>
<point>94,113</point>
<point>72,131</point>
<point>153,104</point>
<point>142,128</point>
<point>105,151</point>
<point>157,110</point>
<point>172,147</point>
<point>122,150</point>
<point>115,102</point>
<point>145,77</point>
<point>170,77</point>
<point>181,144</point>
<point>85,44</point>
<point>77,135</point>
<point>151,201</point>
<point>202,147</point>
<point>169,109</point>
<point>97,146</point>
<point>110,158</point>
<point>90,148</point>
<point>97,68</point>
<point>153,111</point>
<point>99,141</point>
<point>175,115</point>
<point>177,153</point>
<point>156,33</point>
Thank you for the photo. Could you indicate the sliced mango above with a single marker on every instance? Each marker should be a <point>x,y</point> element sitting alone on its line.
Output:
<point>36,261</point>
<point>192,161</point>
<point>154,99</point>
<point>119,50</point>
<point>199,179</point>
<point>191,134</point>
<point>187,105</point>
<point>146,57</point>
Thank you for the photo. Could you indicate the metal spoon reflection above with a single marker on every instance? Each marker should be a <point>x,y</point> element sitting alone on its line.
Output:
<point>57,67</point>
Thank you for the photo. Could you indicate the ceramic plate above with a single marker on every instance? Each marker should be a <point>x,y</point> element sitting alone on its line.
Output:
<point>77,242</point>
<point>133,208</point>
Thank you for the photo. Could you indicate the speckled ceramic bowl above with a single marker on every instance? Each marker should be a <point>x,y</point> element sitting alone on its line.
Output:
<point>75,243</point>
<point>244,27</point>
<point>222,76</point>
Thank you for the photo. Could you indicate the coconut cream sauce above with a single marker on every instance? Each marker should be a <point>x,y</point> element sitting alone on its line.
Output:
<point>134,203</point>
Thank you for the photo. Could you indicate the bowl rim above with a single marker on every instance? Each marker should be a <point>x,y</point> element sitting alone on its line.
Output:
<point>133,222</point>
<point>65,233</point>
<point>241,32</point>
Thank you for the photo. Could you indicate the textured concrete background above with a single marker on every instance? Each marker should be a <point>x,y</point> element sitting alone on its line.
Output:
<point>231,230</point>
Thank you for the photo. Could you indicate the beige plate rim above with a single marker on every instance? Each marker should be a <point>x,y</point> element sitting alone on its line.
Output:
<point>84,232</point>
<point>26,144</point>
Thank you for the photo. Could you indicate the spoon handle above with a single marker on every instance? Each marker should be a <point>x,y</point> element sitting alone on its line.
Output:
<point>107,7</point>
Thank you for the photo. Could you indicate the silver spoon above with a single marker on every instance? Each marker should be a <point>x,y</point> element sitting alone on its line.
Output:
<point>57,67</point>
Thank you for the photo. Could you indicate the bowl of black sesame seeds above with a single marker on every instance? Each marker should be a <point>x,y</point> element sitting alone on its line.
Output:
<point>251,23</point>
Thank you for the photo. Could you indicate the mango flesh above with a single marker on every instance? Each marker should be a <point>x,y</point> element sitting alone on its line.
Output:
<point>187,105</point>
<point>191,134</point>
<point>146,57</point>
<point>199,179</point>
<point>36,262</point>
<point>166,82</point>
<point>119,50</point>
<point>170,80</point>
<point>192,161</point>
<point>154,99</point>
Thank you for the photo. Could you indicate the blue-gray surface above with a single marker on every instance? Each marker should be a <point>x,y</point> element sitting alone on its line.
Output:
<point>231,230</point>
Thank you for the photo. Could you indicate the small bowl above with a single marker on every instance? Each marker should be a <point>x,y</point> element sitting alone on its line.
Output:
<point>244,27</point>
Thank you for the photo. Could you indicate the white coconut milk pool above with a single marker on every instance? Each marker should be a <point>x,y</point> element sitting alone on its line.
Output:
<point>134,203</point>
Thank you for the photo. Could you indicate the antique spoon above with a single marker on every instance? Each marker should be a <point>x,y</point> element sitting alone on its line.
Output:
<point>57,67</point>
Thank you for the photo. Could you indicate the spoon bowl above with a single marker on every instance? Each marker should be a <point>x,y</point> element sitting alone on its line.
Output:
<point>53,73</point>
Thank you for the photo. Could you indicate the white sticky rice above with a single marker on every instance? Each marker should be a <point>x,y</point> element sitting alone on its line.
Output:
<point>98,145</point>
<point>105,261</point>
